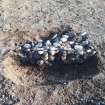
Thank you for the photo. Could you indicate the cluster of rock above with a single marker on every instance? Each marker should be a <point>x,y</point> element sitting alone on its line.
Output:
<point>65,46</point>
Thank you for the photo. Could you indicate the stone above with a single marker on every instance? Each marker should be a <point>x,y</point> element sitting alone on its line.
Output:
<point>63,39</point>
<point>51,57</point>
<point>48,43</point>
<point>52,52</point>
<point>40,62</point>
<point>79,49</point>
<point>56,44</point>
<point>40,52</point>
<point>83,33</point>
<point>85,43</point>
<point>27,46</point>
<point>65,36</point>
<point>63,57</point>
<point>45,56</point>
<point>54,36</point>
<point>71,42</point>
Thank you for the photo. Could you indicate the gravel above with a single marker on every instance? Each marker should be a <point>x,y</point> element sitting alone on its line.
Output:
<point>5,97</point>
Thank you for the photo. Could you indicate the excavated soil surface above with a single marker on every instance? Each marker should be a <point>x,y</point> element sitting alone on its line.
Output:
<point>59,84</point>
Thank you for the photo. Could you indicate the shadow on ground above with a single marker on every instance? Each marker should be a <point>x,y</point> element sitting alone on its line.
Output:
<point>61,73</point>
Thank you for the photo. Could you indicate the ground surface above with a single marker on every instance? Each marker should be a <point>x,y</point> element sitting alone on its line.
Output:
<point>29,19</point>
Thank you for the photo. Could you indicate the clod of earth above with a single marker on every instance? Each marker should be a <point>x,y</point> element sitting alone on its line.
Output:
<point>64,46</point>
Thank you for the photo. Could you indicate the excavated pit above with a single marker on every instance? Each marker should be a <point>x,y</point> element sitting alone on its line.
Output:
<point>57,73</point>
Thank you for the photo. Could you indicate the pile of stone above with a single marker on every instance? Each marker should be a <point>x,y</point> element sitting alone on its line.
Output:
<point>64,46</point>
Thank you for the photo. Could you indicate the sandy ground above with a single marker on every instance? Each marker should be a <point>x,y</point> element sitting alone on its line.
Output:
<point>65,85</point>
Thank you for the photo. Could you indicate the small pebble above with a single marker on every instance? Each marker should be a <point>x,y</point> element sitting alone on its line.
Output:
<point>27,46</point>
<point>51,58</point>
<point>79,49</point>
<point>83,34</point>
<point>40,52</point>
<point>40,62</point>
<point>63,39</point>
<point>54,36</point>
<point>48,43</point>
<point>65,36</point>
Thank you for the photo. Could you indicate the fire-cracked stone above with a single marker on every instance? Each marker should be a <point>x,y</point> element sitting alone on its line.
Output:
<point>65,46</point>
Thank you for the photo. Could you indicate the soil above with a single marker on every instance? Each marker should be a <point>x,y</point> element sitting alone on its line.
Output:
<point>59,84</point>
